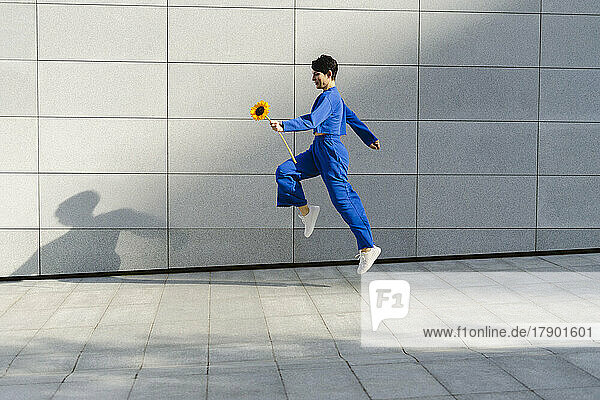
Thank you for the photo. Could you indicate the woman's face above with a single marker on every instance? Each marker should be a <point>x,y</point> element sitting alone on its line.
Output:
<point>320,79</point>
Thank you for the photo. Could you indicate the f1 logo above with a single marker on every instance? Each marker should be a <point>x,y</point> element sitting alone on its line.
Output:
<point>388,299</point>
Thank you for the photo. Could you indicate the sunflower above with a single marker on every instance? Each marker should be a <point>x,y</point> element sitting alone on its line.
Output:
<point>260,110</point>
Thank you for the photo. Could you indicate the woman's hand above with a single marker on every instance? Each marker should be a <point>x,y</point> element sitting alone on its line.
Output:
<point>375,145</point>
<point>276,126</point>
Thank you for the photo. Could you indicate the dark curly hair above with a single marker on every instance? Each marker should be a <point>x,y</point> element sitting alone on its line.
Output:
<point>325,63</point>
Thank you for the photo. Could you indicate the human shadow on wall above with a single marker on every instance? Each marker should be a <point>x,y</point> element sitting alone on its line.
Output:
<point>94,248</point>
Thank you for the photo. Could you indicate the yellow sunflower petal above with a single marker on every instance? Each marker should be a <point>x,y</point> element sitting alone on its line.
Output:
<point>265,106</point>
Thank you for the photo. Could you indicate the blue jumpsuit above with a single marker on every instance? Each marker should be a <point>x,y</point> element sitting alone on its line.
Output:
<point>327,156</point>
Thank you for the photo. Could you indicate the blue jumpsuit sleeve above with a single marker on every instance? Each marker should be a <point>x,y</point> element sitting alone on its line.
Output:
<point>359,127</point>
<point>310,121</point>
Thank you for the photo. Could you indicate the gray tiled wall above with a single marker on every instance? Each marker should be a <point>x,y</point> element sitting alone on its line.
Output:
<point>126,141</point>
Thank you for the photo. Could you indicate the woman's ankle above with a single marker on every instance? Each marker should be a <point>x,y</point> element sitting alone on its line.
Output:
<point>304,210</point>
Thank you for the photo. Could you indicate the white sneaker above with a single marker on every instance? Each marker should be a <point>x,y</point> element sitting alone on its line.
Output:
<point>309,219</point>
<point>367,258</point>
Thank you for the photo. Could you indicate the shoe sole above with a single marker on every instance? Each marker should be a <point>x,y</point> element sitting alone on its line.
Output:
<point>313,228</point>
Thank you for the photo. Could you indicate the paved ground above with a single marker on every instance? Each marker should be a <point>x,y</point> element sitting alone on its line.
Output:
<point>267,334</point>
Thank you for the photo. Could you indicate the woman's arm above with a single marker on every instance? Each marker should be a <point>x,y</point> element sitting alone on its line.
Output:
<point>359,127</point>
<point>309,121</point>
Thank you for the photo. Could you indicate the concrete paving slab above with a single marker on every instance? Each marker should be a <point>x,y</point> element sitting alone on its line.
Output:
<point>289,306</point>
<point>253,383</point>
<point>169,387</point>
<point>159,336</point>
<point>282,289</point>
<point>244,330</point>
<point>179,335</point>
<point>42,364</point>
<point>101,374</point>
<point>174,311</point>
<point>229,289</point>
<point>545,371</point>
<point>5,361</point>
<point>39,391</point>
<point>235,307</point>
<point>168,356</point>
<point>180,370</point>
<point>587,361</point>
<point>328,286</point>
<point>472,376</point>
<point>32,379</point>
<point>277,274</point>
<point>401,381</point>
<point>388,356</point>
<point>118,337</point>
<point>89,298</point>
<point>13,341</point>
<point>58,341</point>
<point>110,359</point>
<point>316,349</point>
<point>75,317</point>
<point>520,395</point>
<point>15,319</point>
<point>40,299</point>
<point>133,295</point>
<point>94,389</point>
<point>569,259</point>
<point>333,382</point>
<point>590,393</point>
<point>222,353</point>
<point>129,314</point>
<point>347,302</point>
<point>309,326</point>
<point>317,273</point>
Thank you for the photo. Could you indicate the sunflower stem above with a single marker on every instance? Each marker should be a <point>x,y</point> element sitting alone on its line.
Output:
<point>288,147</point>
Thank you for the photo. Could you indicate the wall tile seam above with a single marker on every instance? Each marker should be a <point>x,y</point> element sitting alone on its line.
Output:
<point>171,228</point>
<point>461,120</point>
<point>391,10</point>
<point>99,228</point>
<point>270,175</point>
<point>537,153</point>
<point>418,102</point>
<point>292,211</point>
<point>524,121</point>
<point>168,202</point>
<point>53,228</point>
<point>37,97</point>
<point>438,227</point>
<point>252,63</point>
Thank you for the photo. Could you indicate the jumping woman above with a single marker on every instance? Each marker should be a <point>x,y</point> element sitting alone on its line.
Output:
<point>327,156</point>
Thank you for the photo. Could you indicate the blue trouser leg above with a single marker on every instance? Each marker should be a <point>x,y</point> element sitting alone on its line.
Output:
<point>331,158</point>
<point>288,176</point>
